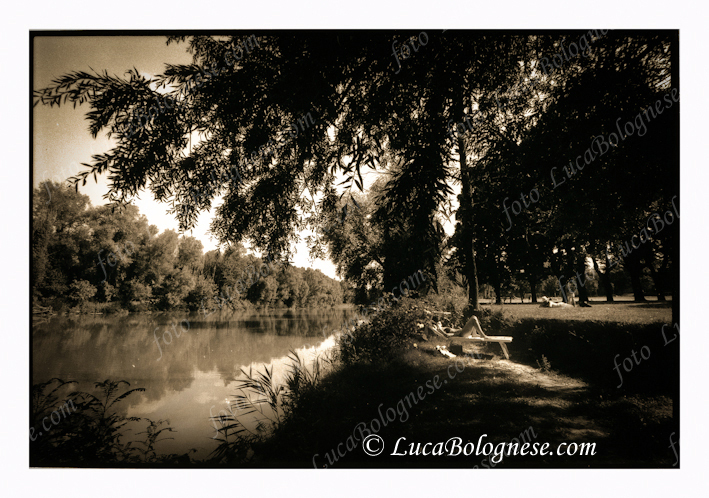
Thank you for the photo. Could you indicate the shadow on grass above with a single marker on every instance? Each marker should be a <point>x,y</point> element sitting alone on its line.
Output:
<point>501,399</point>
<point>591,350</point>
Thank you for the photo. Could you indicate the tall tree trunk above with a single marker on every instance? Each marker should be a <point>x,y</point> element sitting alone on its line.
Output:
<point>471,270</point>
<point>498,284</point>
<point>533,286</point>
<point>532,276</point>
<point>657,278</point>
<point>581,286</point>
<point>563,281</point>
<point>632,264</point>
<point>663,273</point>
<point>605,278</point>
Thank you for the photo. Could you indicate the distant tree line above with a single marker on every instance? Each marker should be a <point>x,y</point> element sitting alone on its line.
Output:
<point>94,258</point>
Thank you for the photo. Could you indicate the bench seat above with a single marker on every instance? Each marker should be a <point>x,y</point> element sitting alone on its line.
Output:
<point>500,339</point>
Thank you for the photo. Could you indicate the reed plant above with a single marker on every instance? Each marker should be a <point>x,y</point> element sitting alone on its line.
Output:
<point>264,406</point>
<point>91,431</point>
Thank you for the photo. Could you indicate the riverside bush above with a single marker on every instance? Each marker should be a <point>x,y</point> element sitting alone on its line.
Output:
<point>383,337</point>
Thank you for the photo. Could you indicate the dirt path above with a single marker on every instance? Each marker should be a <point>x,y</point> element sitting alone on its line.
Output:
<point>503,399</point>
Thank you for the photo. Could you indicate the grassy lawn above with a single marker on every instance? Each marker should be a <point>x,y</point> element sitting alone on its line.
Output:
<point>601,311</point>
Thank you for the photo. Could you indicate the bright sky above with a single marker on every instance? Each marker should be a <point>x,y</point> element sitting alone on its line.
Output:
<point>62,141</point>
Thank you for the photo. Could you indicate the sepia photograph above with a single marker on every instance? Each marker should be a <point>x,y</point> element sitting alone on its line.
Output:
<point>275,252</point>
<point>301,248</point>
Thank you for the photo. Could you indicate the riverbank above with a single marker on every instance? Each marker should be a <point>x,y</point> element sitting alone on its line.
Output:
<point>560,386</point>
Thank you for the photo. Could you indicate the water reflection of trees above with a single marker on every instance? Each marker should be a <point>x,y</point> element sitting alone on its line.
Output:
<point>95,348</point>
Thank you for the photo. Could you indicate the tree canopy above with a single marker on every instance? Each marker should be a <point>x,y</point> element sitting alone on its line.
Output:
<point>271,123</point>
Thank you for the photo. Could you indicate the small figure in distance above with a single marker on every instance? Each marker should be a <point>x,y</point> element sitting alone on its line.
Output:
<point>548,303</point>
<point>570,293</point>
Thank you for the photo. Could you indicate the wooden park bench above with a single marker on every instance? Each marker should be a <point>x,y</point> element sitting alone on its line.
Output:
<point>473,333</point>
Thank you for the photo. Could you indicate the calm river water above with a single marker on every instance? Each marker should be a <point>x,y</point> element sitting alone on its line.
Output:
<point>187,378</point>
